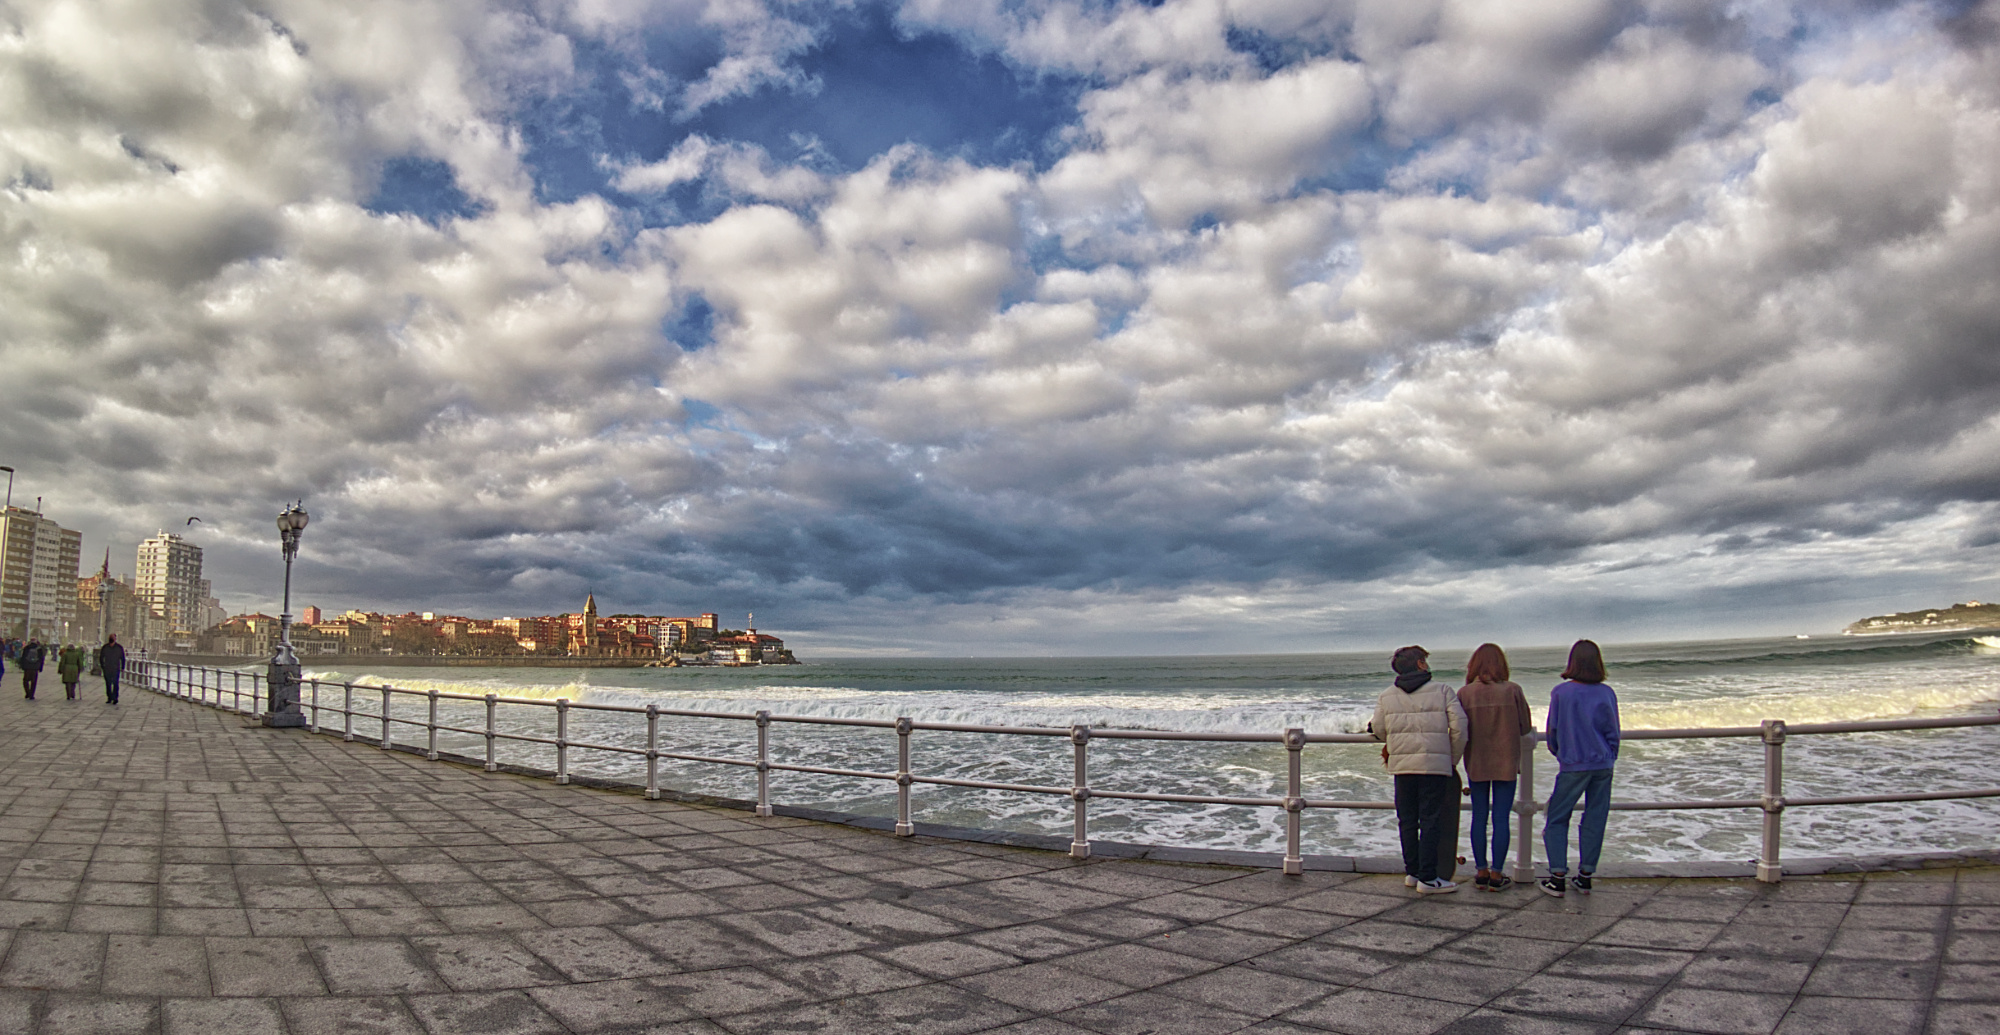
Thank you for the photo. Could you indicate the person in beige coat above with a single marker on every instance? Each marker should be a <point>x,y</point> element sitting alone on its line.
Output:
<point>1422,727</point>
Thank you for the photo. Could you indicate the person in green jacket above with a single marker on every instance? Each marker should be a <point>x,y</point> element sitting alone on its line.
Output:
<point>69,666</point>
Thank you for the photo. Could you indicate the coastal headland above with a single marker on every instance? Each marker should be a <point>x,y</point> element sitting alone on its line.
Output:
<point>1971,616</point>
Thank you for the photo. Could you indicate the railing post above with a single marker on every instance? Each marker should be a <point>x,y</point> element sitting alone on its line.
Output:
<point>1295,801</point>
<point>1524,813</point>
<point>1769,868</point>
<point>313,724</point>
<point>492,703</point>
<point>653,752</point>
<point>904,828</point>
<point>236,693</point>
<point>431,728</point>
<point>562,740</point>
<point>347,713</point>
<point>384,745</point>
<point>763,763</point>
<point>1079,793</point>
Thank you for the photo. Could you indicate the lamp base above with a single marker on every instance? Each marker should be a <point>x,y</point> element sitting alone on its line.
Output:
<point>282,682</point>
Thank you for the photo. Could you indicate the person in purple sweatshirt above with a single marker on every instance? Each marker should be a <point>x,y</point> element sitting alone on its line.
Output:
<point>1583,735</point>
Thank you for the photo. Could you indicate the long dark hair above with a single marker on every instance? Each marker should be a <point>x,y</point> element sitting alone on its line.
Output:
<point>1586,663</point>
<point>1488,665</point>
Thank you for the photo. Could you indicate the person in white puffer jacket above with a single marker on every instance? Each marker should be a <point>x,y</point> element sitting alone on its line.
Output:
<point>1422,727</point>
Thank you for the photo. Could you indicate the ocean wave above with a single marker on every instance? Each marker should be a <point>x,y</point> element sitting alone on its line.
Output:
<point>1202,716</point>
<point>575,691</point>
<point>1802,706</point>
<point>1946,648</point>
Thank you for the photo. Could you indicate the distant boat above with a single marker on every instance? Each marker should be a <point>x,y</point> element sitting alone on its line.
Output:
<point>1802,636</point>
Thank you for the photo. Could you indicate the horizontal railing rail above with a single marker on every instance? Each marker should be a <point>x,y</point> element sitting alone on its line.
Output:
<point>242,691</point>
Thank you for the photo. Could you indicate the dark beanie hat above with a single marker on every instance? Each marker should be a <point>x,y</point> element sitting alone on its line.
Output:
<point>1405,661</point>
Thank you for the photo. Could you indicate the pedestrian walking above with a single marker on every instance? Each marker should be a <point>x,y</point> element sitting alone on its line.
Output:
<point>1583,734</point>
<point>111,661</point>
<point>1422,729</point>
<point>69,668</point>
<point>32,654</point>
<point>1496,718</point>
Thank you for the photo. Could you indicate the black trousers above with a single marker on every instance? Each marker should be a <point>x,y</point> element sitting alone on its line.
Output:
<point>29,677</point>
<point>1420,804</point>
<point>111,686</point>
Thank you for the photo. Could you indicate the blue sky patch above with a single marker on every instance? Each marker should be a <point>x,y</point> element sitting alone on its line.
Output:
<point>693,327</point>
<point>421,187</point>
<point>879,88</point>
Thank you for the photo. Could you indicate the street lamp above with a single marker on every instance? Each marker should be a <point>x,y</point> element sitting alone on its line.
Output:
<point>284,669</point>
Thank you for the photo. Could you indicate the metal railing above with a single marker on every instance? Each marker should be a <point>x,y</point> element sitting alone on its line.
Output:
<point>241,692</point>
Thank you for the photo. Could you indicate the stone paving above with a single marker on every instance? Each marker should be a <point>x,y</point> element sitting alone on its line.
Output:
<point>167,869</point>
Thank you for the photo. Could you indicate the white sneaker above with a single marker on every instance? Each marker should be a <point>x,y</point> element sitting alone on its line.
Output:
<point>1436,887</point>
<point>1409,880</point>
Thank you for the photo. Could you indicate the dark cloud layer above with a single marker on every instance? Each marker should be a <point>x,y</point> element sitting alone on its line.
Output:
<point>1267,325</point>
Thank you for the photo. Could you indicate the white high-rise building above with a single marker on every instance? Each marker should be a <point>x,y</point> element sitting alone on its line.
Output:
<point>38,563</point>
<point>169,584</point>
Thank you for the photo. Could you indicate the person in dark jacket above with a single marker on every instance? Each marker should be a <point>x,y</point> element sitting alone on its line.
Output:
<point>1583,734</point>
<point>69,666</point>
<point>111,662</point>
<point>30,661</point>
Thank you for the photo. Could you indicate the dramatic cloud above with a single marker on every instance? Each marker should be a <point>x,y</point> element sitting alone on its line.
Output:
<point>1072,326</point>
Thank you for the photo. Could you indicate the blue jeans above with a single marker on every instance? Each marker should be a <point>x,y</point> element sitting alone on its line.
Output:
<point>1594,787</point>
<point>1497,797</point>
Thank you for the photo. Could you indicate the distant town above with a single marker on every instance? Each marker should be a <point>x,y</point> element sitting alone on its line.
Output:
<point>165,606</point>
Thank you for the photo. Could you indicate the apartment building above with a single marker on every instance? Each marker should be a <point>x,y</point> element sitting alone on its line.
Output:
<point>169,583</point>
<point>38,568</point>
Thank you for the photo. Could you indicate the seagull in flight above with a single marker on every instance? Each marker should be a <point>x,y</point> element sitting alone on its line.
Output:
<point>192,520</point>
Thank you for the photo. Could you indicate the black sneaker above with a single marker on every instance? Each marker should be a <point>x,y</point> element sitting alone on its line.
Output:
<point>1553,885</point>
<point>1582,883</point>
<point>1481,880</point>
<point>1499,882</point>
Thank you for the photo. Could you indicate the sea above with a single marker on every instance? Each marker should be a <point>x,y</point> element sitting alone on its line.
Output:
<point>1707,683</point>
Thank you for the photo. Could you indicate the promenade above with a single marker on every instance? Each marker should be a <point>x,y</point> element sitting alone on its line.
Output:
<point>168,869</point>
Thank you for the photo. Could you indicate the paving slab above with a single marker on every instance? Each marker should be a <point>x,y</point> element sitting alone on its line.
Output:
<point>169,868</point>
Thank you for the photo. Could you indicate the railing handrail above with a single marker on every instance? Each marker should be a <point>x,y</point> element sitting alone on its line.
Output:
<point>1134,733</point>
<point>201,684</point>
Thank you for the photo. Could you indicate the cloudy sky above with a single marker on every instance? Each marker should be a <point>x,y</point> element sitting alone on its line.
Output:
<point>1021,326</point>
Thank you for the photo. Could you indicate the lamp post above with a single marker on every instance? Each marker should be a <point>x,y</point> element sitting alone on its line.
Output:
<point>283,675</point>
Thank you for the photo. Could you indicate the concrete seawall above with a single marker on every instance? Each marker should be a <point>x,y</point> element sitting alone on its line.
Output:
<point>415,661</point>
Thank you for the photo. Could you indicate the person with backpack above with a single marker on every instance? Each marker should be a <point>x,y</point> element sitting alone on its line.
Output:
<point>1496,717</point>
<point>32,654</point>
<point>1583,734</point>
<point>69,667</point>
<point>1422,728</point>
